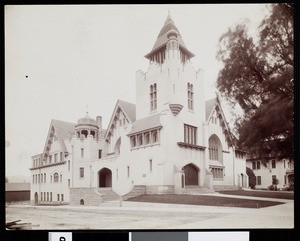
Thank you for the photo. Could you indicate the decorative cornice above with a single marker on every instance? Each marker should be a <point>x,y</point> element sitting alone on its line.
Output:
<point>192,146</point>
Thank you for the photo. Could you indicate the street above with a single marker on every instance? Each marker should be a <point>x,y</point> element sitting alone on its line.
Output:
<point>134,215</point>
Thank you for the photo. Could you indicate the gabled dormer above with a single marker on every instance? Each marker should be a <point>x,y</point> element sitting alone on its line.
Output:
<point>123,114</point>
<point>55,149</point>
<point>216,120</point>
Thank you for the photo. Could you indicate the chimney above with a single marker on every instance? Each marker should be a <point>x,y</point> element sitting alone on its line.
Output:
<point>99,122</point>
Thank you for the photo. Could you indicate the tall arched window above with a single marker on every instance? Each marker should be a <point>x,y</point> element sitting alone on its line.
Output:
<point>153,97</point>
<point>190,92</point>
<point>215,149</point>
<point>55,177</point>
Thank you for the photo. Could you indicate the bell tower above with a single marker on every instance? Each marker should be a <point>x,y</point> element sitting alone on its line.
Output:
<point>171,81</point>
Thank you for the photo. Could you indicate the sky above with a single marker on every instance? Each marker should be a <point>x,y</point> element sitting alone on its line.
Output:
<point>64,60</point>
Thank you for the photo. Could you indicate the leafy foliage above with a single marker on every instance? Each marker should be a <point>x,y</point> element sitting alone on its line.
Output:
<point>252,178</point>
<point>258,76</point>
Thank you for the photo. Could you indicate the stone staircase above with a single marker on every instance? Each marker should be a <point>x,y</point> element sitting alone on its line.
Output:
<point>106,194</point>
<point>194,190</point>
<point>91,196</point>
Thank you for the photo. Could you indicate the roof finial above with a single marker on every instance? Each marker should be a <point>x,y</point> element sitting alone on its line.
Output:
<point>87,110</point>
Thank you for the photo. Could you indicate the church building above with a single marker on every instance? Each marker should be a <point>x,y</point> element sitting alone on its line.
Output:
<point>171,140</point>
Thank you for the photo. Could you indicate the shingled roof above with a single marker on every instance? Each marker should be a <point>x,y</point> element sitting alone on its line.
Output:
<point>128,108</point>
<point>162,38</point>
<point>63,129</point>
<point>209,105</point>
<point>147,123</point>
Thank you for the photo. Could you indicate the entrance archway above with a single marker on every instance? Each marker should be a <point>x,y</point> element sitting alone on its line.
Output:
<point>191,175</point>
<point>105,177</point>
<point>36,198</point>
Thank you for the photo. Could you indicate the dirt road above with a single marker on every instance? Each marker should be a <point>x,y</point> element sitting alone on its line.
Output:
<point>162,216</point>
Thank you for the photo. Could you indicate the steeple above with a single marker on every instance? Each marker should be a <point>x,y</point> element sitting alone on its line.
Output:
<point>163,38</point>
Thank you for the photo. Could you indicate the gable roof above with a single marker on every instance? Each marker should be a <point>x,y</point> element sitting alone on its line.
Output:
<point>63,129</point>
<point>162,38</point>
<point>147,123</point>
<point>209,106</point>
<point>212,104</point>
<point>127,108</point>
<point>22,186</point>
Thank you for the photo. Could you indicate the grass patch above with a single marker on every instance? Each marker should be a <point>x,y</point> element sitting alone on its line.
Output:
<point>267,194</point>
<point>204,200</point>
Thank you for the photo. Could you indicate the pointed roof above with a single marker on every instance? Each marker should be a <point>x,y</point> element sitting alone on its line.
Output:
<point>63,130</point>
<point>215,103</point>
<point>162,38</point>
<point>209,106</point>
<point>127,108</point>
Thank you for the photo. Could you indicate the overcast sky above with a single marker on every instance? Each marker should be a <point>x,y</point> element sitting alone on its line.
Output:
<point>59,59</point>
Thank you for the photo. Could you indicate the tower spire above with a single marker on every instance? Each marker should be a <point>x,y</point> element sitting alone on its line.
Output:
<point>163,39</point>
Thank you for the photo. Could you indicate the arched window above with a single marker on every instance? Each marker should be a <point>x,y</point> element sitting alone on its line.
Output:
<point>55,177</point>
<point>155,136</point>
<point>153,97</point>
<point>140,140</point>
<point>84,133</point>
<point>190,92</point>
<point>215,149</point>
<point>147,138</point>
<point>133,141</point>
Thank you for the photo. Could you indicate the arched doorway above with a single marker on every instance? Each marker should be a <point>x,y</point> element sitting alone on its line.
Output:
<point>191,174</point>
<point>105,177</point>
<point>36,198</point>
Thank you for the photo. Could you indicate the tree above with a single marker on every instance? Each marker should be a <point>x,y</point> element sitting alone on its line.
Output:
<point>252,178</point>
<point>258,76</point>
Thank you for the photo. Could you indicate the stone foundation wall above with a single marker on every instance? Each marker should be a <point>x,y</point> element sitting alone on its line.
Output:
<point>224,188</point>
<point>88,195</point>
<point>138,190</point>
<point>169,189</point>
